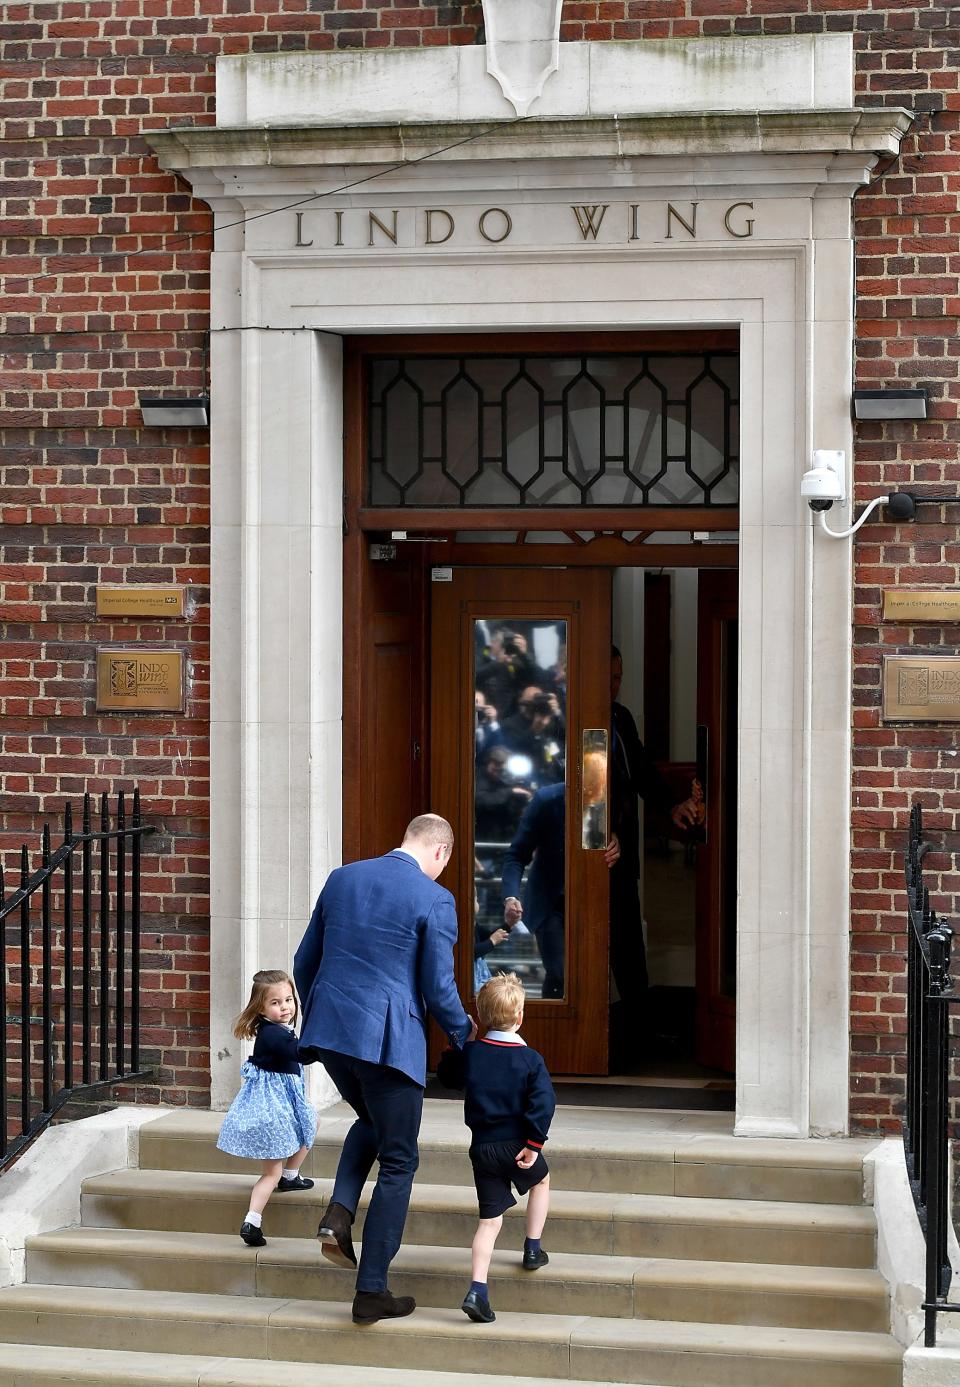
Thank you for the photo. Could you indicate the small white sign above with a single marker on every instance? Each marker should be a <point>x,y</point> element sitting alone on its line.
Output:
<point>441,575</point>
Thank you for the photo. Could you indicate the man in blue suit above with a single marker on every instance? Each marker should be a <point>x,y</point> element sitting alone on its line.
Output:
<point>540,839</point>
<point>376,958</point>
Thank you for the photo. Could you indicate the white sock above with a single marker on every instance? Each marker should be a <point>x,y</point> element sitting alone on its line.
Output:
<point>289,1174</point>
<point>251,1217</point>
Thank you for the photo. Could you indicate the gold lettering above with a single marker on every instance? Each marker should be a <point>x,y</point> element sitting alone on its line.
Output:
<point>339,217</point>
<point>300,241</point>
<point>689,226</point>
<point>588,220</point>
<point>634,229</point>
<point>390,233</point>
<point>430,239</point>
<point>748,222</point>
<point>507,225</point>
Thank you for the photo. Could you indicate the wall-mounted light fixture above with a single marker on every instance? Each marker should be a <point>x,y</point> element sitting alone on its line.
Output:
<point>162,412</point>
<point>890,404</point>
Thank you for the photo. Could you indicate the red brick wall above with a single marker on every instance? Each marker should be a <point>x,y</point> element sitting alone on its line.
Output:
<point>92,496</point>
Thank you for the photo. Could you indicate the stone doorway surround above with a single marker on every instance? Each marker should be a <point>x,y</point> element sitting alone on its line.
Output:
<point>759,239</point>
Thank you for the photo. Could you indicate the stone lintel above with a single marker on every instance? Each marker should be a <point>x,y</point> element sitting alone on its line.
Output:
<point>874,132</point>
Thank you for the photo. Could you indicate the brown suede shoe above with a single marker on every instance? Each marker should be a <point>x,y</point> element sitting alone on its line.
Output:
<point>370,1306</point>
<point>335,1238</point>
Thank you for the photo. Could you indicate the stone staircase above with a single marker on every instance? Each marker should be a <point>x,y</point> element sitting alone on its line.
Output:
<point>680,1255</point>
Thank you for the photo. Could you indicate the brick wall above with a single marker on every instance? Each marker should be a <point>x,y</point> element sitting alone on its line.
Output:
<point>100,303</point>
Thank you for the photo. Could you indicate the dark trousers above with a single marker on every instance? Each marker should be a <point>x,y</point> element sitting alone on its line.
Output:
<point>388,1105</point>
<point>628,959</point>
<point>549,939</point>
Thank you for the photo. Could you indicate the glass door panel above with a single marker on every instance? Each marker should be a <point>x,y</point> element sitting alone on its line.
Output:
<point>520,802</point>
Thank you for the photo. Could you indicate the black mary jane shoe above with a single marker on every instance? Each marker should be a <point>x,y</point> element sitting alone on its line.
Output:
<point>297,1183</point>
<point>477,1308</point>
<point>532,1261</point>
<point>252,1235</point>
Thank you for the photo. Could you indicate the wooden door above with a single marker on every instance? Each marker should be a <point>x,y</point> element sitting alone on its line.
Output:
<point>716,855</point>
<point>385,782</point>
<point>509,770</point>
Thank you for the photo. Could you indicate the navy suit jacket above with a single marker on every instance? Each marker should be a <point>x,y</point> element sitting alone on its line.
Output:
<point>540,838</point>
<point>376,957</point>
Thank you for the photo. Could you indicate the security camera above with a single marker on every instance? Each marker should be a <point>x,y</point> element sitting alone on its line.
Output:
<point>825,481</point>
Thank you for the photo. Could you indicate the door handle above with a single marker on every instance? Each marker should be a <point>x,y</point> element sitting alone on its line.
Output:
<point>594,833</point>
<point>703,770</point>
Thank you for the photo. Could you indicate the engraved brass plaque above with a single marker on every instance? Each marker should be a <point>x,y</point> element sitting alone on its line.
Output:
<point>140,680</point>
<point>921,604</point>
<point>161,600</point>
<point>921,688</point>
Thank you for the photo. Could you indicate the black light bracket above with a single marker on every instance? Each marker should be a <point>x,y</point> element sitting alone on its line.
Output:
<point>890,404</point>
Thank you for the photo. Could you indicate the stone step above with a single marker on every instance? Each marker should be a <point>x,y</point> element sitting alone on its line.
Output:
<point>608,1151</point>
<point>36,1365</point>
<point>572,1283</point>
<point>552,1346</point>
<point>628,1225</point>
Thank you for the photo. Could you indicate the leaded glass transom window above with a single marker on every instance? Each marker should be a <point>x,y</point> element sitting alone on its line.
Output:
<point>640,429</point>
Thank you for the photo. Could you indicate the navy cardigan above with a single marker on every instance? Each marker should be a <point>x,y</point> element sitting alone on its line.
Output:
<point>509,1096</point>
<point>275,1048</point>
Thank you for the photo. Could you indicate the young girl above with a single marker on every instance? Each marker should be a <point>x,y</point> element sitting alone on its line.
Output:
<point>270,1119</point>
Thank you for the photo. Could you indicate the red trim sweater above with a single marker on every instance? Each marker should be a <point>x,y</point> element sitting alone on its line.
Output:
<point>508,1093</point>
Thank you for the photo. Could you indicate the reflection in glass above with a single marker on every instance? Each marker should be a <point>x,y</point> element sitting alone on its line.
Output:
<point>594,834</point>
<point>520,699</point>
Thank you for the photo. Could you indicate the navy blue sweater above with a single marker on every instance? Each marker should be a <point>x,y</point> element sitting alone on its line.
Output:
<point>275,1048</point>
<point>509,1096</point>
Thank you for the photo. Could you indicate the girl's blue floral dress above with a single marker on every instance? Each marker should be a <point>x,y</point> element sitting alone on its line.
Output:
<point>270,1117</point>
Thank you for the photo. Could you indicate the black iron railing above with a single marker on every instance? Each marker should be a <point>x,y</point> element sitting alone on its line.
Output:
<point>926,1126</point>
<point>80,960</point>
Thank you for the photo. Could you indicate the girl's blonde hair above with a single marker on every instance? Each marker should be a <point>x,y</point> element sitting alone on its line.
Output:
<point>248,1022</point>
<point>500,1002</point>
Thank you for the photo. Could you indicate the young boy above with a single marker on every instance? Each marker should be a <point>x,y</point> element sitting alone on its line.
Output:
<point>508,1106</point>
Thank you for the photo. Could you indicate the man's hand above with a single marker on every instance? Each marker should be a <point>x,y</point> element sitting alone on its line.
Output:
<point>685,814</point>
<point>512,911</point>
<point>527,1157</point>
<point>611,853</point>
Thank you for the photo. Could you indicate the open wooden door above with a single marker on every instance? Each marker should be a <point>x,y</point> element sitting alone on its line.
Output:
<point>717,854</point>
<point>520,714</point>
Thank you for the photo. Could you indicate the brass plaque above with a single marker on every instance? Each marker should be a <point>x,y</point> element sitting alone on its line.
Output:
<point>921,604</point>
<point>140,680</point>
<point>921,688</point>
<point>161,600</point>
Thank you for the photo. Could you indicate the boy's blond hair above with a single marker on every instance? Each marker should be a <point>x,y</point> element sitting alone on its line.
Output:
<point>500,1002</point>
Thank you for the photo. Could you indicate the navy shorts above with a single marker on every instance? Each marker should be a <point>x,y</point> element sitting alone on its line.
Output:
<point>495,1169</point>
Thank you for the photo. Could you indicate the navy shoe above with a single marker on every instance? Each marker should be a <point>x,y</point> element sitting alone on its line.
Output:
<point>477,1308</point>
<point>297,1183</point>
<point>252,1235</point>
<point>532,1261</point>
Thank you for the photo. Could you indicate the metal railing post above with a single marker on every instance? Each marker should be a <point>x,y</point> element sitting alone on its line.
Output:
<point>24,992</point>
<point>926,1121</point>
<point>46,965</point>
<point>104,936</point>
<point>86,929</point>
<point>121,879</point>
<point>135,936</point>
<point>68,948</point>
